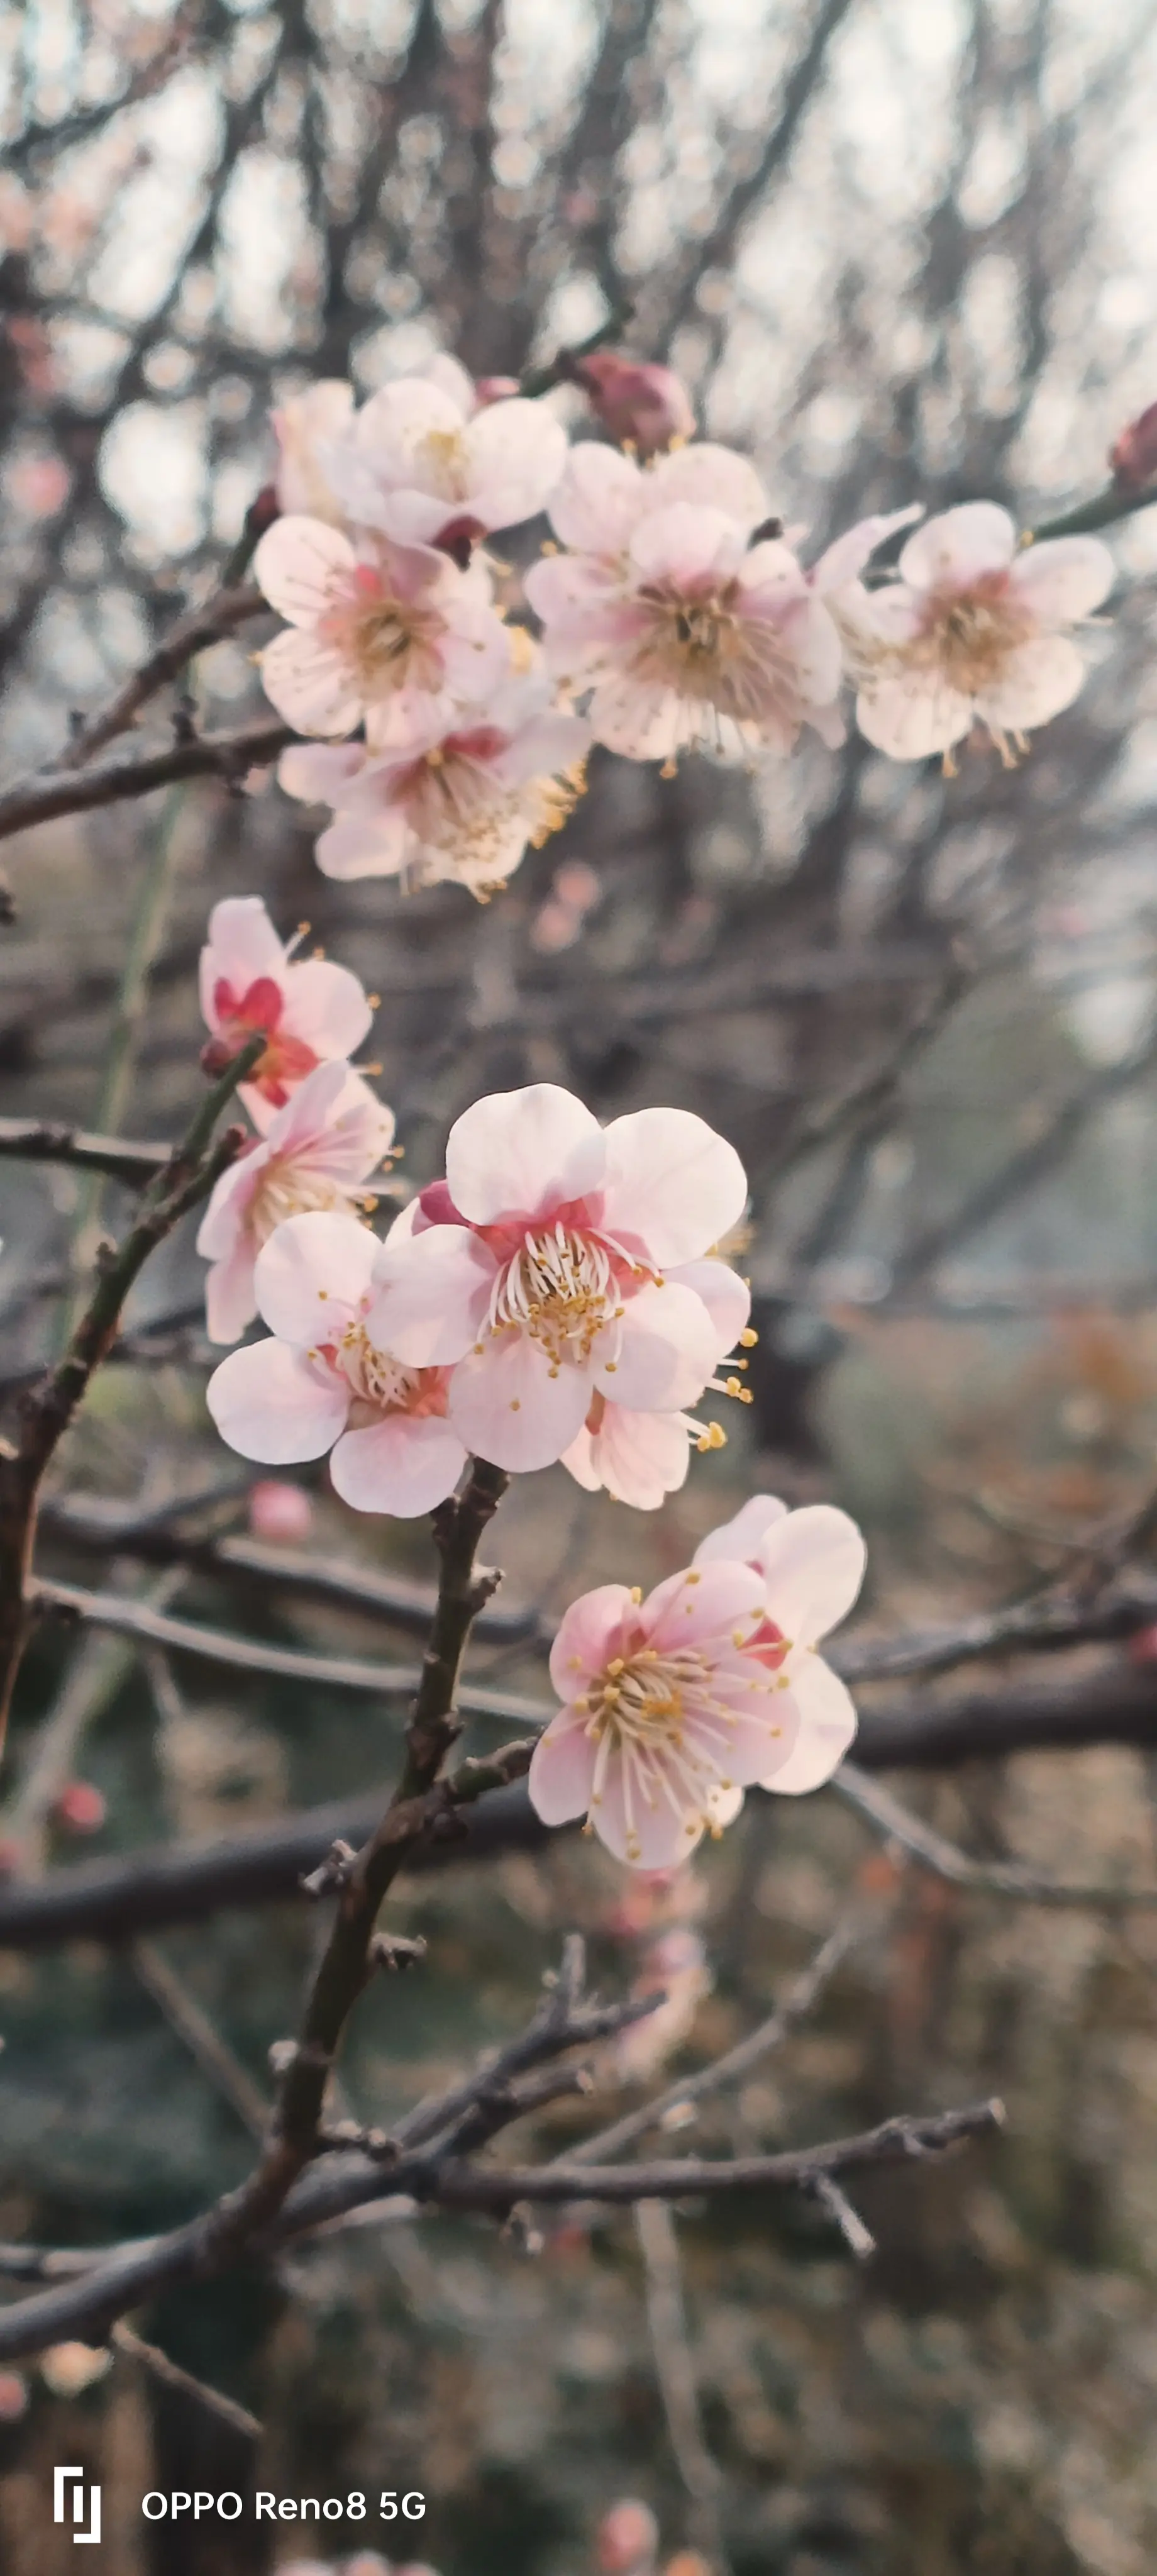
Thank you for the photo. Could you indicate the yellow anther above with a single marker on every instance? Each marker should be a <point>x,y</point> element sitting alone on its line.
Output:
<point>636,1592</point>
<point>748,1339</point>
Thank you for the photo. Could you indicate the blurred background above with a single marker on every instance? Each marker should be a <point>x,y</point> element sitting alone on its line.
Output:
<point>896,249</point>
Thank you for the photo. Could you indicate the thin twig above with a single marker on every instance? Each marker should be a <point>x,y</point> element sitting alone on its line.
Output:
<point>37,1140</point>
<point>170,2375</point>
<point>230,607</point>
<point>675,2370</point>
<point>208,755</point>
<point>197,2033</point>
<point>993,1878</point>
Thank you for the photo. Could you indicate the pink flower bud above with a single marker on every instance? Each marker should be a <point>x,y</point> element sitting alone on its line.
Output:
<point>1143,1646</point>
<point>1134,455</point>
<point>13,2396</point>
<point>279,1511</point>
<point>79,1809</point>
<point>11,1857</point>
<point>627,2539</point>
<point>642,406</point>
<point>492,389</point>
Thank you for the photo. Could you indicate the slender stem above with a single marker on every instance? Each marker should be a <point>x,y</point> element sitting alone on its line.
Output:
<point>1110,505</point>
<point>208,755</point>
<point>39,1140</point>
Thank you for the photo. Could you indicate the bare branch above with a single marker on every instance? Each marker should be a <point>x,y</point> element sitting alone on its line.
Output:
<point>207,755</point>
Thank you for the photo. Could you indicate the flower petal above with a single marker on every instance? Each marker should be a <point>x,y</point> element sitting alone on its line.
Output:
<point>429,1294</point>
<point>701,1603</point>
<point>316,772</point>
<point>377,846</point>
<point>517,452</point>
<point>590,1634</point>
<point>230,1297</point>
<point>272,1403</point>
<point>1036,683</point>
<point>598,500</point>
<point>309,684</point>
<point>665,1354</point>
<point>738,1540</point>
<point>404,1465</point>
<point>827,1726</point>
<point>812,1562</point>
<point>726,1296</point>
<point>953,549</point>
<point>671,1183</point>
<point>509,1408</point>
<point>712,478</point>
<point>242,947</point>
<point>523,1153</point>
<point>298,564</point>
<point>639,1457</point>
<point>326,1005</point>
<point>846,556</point>
<point>646,1836</point>
<point>1063,579</point>
<point>686,543</point>
<point>311,1275</point>
<point>562,1768</point>
<point>912,718</point>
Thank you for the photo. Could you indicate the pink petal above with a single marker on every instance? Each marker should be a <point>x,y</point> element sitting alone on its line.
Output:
<point>686,543</point>
<point>846,556</point>
<point>738,1540</point>
<point>376,847</point>
<point>1064,579</point>
<point>545,748</point>
<point>666,1351</point>
<point>241,947</point>
<point>311,1275</point>
<point>309,685</point>
<point>827,1726</point>
<point>579,1461</point>
<point>429,1294</point>
<point>671,1183</point>
<point>565,590</point>
<point>639,1457</point>
<point>517,452</point>
<point>590,1634</point>
<point>327,1006</point>
<point>646,1836</point>
<point>912,718</point>
<point>704,1603</point>
<point>641,720</point>
<point>763,1731</point>
<point>317,772</point>
<point>726,1296</point>
<point>508,1407</point>
<point>224,1220</point>
<point>298,565</point>
<point>562,1770</point>
<point>271,1403</point>
<point>954,549</point>
<point>711,477</point>
<point>523,1153</point>
<point>230,1298</point>
<point>1036,683</point>
<point>598,500</point>
<point>404,1465</point>
<point>475,649</point>
<point>814,639</point>
<point>812,1562</point>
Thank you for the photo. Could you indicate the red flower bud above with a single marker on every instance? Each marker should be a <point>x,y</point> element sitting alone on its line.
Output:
<point>1134,456</point>
<point>80,1808</point>
<point>642,406</point>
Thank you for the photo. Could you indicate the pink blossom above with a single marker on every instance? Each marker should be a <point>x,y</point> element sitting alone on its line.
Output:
<point>669,1703</point>
<point>322,412</point>
<point>79,1808</point>
<point>428,465</point>
<point>628,2539</point>
<point>279,1512</point>
<point>327,1380</point>
<point>318,1152</point>
<point>1133,455</point>
<point>311,1011</point>
<point>552,1264</point>
<point>973,631</point>
<point>641,405</point>
<point>459,797</point>
<point>811,1563</point>
<point>368,621</point>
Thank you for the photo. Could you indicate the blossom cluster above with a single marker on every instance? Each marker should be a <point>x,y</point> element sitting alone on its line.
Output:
<point>670,611</point>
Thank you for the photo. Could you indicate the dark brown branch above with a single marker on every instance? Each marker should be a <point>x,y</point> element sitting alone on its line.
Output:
<point>209,755</point>
<point>33,1140</point>
<point>185,1180</point>
<point>192,634</point>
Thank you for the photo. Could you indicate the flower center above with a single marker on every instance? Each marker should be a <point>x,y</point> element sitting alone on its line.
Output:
<point>239,1016</point>
<point>389,643</point>
<point>643,1700</point>
<point>706,648</point>
<point>658,1715</point>
<point>561,1288</point>
<point>969,637</point>
<point>286,1190</point>
<point>442,460</point>
<point>380,1381</point>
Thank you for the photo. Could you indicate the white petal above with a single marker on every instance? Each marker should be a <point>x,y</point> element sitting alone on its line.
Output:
<point>639,1457</point>
<point>671,1184</point>
<point>273,1404</point>
<point>509,1409</point>
<point>562,1769</point>
<point>709,476</point>
<point>517,452</point>
<point>666,1351</point>
<point>242,945</point>
<point>429,1294</point>
<point>316,772</point>
<point>377,846</point>
<point>311,1275</point>
<point>847,555</point>
<point>327,1007</point>
<point>726,1296</point>
<point>687,542</point>
<point>598,500</point>
<point>298,565</point>
<point>827,1726</point>
<point>1037,682</point>
<point>404,1465</point>
<point>230,1298</point>
<point>912,718</point>
<point>1063,579</point>
<point>954,549</point>
<point>309,684</point>
<point>523,1153</point>
<point>739,1538</point>
<point>812,1563</point>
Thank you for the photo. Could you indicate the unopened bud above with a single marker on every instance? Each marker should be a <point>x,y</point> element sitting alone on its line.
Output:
<point>627,2539</point>
<point>79,1808</point>
<point>641,405</point>
<point>492,389</point>
<point>13,2396</point>
<point>216,1057</point>
<point>1134,456</point>
<point>279,1511</point>
<point>263,509</point>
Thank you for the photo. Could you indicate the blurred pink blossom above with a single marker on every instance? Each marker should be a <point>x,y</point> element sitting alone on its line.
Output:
<point>279,1512</point>
<point>641,405</point>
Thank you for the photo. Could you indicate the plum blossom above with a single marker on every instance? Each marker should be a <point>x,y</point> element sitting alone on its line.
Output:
<point>973,631</point>
<point>323,411</point>
<point>668,1703</point>
<point>327,1380</point>
<point>458,798</point>
<point>318,1152</point>
<point>552,1265</point>
<point>643,406</point>
<point>311,1011</point>
<point>685,611</point>
<point>811,1563</point>
<point>640,1458</point>
<point>427,465</point>
<point>366,621</point>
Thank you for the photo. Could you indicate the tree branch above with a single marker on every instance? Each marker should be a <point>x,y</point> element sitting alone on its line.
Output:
<point>229,607</point>
<point>207,755</point>
<point>35,1140</point>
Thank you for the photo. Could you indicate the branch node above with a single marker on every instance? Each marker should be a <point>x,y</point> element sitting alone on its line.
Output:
<point>393,1952</point>
<point>332,1873</point>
